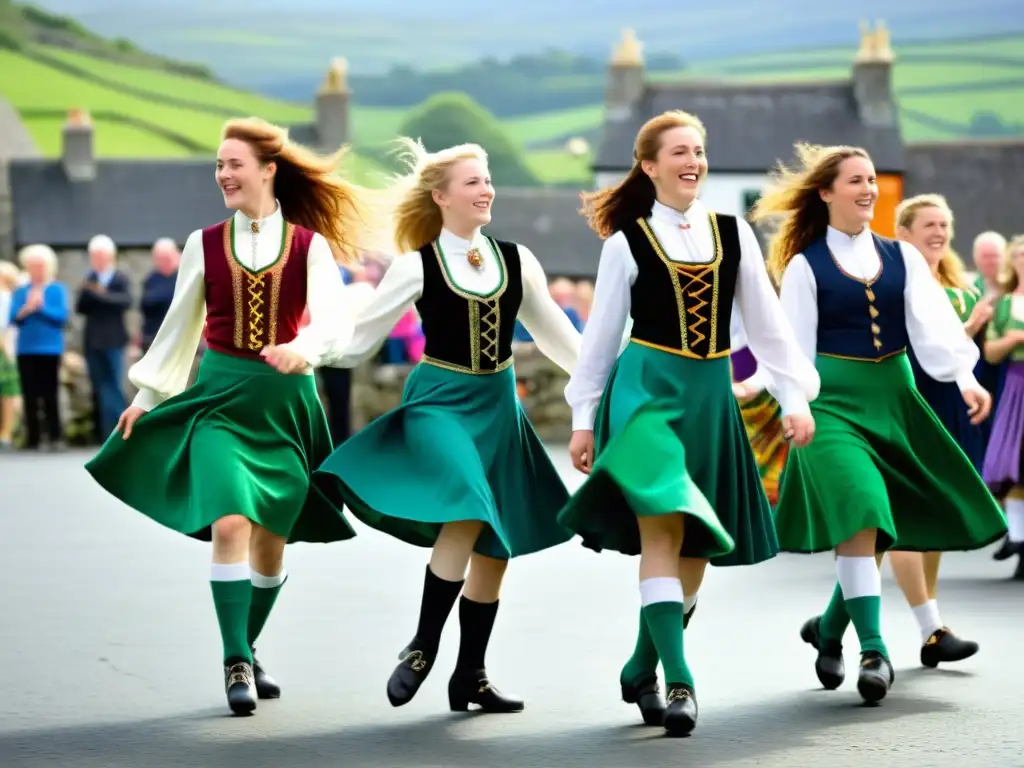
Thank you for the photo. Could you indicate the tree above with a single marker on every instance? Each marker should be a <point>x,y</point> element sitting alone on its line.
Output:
<point>447,119</point>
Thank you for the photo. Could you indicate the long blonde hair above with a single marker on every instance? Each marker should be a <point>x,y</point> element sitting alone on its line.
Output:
<point>610,209</point>
<point>1010,282</point>
<point>311,190</point>
<point>794,198</point>
<point>950,269</point>
<point>417,218</point>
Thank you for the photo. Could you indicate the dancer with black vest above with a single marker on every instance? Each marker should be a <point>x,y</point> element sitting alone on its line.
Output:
<point>457,466</point>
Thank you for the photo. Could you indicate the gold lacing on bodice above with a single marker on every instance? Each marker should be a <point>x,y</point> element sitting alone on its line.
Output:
<point>249,288</point>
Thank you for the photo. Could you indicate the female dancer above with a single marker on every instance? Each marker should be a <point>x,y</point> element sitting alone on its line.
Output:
<point>1003,457</point>
<point>671,471</point>
<point>229,459</point>
<point>868,481</point>
<point>457,466</point>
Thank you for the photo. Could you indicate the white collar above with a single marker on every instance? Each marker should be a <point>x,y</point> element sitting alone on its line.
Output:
<point>452,242</point>
<point>672,216</point>
<point>245,223</point>
<point>834,237</point>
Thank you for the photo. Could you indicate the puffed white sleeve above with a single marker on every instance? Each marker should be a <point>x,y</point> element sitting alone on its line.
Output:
<point>790,375</point>
<point>552,330</point>
<point>603,335</point>
<point>398,290</point>
<point>163,371</point>
<point>942,347</point>
<point>330,316</point>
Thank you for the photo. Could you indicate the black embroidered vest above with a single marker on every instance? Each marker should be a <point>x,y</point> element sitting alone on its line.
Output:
<point>464,331</point>
<point>681,307</point>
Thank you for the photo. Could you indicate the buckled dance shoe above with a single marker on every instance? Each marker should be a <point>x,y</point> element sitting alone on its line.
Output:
<point>829,666</point>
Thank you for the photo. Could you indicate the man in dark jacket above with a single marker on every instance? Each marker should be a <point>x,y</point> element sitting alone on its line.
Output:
<point>103,299</point>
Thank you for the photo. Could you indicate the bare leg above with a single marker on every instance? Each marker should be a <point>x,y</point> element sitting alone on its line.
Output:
<point>691,573</point>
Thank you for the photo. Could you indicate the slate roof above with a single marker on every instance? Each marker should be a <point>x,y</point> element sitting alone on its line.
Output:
<point>752,126</point>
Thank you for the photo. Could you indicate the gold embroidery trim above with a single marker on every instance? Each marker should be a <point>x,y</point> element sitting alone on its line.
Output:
<point>255,289</point>
<point>681,352</point>
<point>697,274</point>
<point>463,369</point>
<point>886,356</point>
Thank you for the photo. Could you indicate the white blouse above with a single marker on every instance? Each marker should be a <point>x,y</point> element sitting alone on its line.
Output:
<point>402,286</point>
<point>942,347</point>
<point>795,382</point>
<point>163,371</point>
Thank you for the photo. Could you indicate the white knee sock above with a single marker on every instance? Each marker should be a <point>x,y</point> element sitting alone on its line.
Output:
<point>858,577</point>
<point>662,589</point>
<point>1015,519</point>
<point>928,619</point>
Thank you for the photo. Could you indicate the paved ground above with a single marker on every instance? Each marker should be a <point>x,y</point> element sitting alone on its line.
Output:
<point>109,657</point>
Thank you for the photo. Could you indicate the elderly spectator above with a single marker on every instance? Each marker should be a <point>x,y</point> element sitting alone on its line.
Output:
<point>989,254</point>
<point>10,387</point>
<point>158,288</point>
<point>103,299</point>
<point>40,310</point>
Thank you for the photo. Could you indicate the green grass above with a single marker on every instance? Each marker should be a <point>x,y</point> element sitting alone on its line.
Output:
<point>556,166</point>
<point>113,139</point>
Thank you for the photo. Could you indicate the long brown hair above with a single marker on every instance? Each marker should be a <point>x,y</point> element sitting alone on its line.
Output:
<point>610,209</point>
<point>311,190</point>
<point>1010,281</point>
<point>950,269</point>
<point>793,197</point>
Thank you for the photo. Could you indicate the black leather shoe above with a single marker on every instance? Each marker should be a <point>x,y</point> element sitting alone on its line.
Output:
<point>408,676</point>
<point>680,710</point>
<point>473,687</point>
<point>829,665</point>
<point>266,686</point>
<point>687,615</point>
<point>645,693</point>
<point>1006,550</point>
<point>944,646</point>
<point>876,677</point>
<point>1018,575</point>
<point>240,687</point>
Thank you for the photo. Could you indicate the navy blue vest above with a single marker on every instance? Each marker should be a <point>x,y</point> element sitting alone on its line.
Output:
<point>860,319</point>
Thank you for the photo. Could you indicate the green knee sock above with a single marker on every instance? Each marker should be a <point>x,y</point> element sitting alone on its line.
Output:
<point>645,655</point>
<point>263,599</point>
<point>866,614</point>
<point>835,619</point>
<point>665,621</point>
<point>232,600</point>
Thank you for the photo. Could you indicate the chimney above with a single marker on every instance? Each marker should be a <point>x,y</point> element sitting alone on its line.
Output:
<point>872,77</point>
<point>77,155</point>
<point>625,77</point>
<point>332,99</point>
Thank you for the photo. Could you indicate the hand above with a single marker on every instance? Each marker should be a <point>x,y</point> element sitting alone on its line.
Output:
<point>94,286</point>
<point>284,360</point>
<point>981,313</point>
<point>581,450</point>
<point>798,428</point>
<point>979,404</point>
<point>127,421</point>
<point>743,391</point>
<point>35,299</point>
<point>1017,335</point>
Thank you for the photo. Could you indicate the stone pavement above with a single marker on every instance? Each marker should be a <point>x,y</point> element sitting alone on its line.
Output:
<point>109,657</point>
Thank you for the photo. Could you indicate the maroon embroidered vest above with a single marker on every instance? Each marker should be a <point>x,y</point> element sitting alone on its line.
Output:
<point>246,310</point>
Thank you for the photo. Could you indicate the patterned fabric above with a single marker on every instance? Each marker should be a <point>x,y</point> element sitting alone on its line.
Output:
<point>762,417</point>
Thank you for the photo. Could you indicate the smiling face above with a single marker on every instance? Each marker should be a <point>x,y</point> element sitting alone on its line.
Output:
<point>852,196</point>
<point>243,180</point>
<point>929,232</point>
<point>679,167</point>
<point>465,200</point>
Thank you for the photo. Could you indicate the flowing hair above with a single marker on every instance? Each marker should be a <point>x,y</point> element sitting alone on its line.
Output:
<point>416,217</point>
<point>1010,281</point>
<point>950,269</point>
<point>312,192</point>
<point>610,209</point>
<point>793,204</point>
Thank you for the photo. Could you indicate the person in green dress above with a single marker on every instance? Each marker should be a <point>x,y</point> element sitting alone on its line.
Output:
<point>456,467</point>
<point>883,472</point>
<point>229,459</point>
<point>671,475</point>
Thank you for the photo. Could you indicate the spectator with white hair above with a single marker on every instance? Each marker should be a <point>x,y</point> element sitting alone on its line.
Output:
<point>103,299</point>
<point>989,255</point>
<point>40,310</point>
<point>158,288</point>
<point>10,386</point>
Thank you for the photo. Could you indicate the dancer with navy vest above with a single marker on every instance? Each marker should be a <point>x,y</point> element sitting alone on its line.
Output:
<point>657,429</point>
<point>868,482</point>
<point>229,459</point>
<point>457,466</point>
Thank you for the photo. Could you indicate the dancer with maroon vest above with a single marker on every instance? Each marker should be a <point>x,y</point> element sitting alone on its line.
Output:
<point>229,458</point>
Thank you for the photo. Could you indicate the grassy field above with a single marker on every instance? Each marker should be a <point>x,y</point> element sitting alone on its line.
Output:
<point>940,86</point>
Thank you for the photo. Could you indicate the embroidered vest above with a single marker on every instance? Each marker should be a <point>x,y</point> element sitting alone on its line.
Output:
<point>681,307</point>
<point>464,331</point>
<point>860,319</point>
<point>246,310</point>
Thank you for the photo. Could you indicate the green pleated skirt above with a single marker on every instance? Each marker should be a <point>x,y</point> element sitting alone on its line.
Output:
<point>458,447</point>
<point>243,440</point>
<point>669,438</point>
<point>880,458</point>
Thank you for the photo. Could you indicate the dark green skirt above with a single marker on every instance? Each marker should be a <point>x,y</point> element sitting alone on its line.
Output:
<point>880,458</point>
<point>243,440</point>
<point>669,438</point>
<point>459,447</point>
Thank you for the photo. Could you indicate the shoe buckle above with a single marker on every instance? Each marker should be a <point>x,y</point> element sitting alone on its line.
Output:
<point>678,694</point>
<point>416,661</point>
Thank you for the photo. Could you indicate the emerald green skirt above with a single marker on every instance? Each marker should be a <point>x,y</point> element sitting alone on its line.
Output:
<point>880,458</point>
<point>669,438</point>
<point>458,447</point>
<point>243,440</point>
